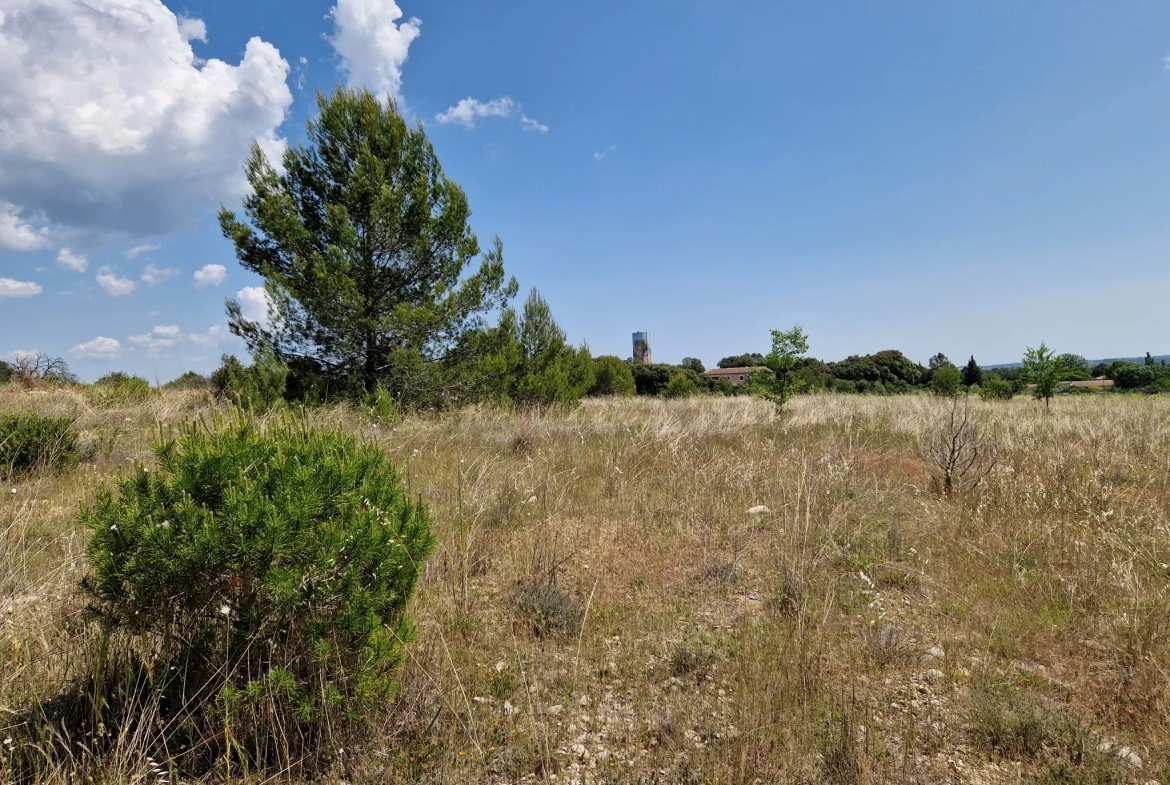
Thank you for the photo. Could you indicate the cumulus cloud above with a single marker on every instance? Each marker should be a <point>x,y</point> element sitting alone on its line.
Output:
<point>100,348</point>
<point>153,276</point>
<point>158,340</point>
<point>255,304</point>
<point>110,123</point>
<point>16,234</point>
<point>212,337</point>
<point>192,29</point>
<point>467,111</point>
<point>372,47</point>
<point>13,288</point>
<point>143,248</point>
<point>210,275</point>
<point>114,285</point>
<point>531,125</point>
<point>72,261</point>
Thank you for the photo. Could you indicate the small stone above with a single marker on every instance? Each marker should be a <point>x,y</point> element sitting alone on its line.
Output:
<point>759,509</point>
<point>936,652</point>
<point>1129,756</point>
<point>584,700</point>
<point>934,675</point>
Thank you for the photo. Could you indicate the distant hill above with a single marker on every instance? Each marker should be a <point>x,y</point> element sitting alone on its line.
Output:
<point>1139,360</point>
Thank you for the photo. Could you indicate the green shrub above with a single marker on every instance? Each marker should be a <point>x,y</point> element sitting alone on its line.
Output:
<point>260,577</point>
<point>945,381</point>
<point>191,380</point>
<point>119,387</point>
<point>7,372</point>
<point>258,386</point>
<point>29,441</point>
<point>995,388</point>
<point>680,386</point>
<point>612,376</point>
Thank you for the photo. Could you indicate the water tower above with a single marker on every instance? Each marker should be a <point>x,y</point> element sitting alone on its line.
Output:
<point>642,349</point>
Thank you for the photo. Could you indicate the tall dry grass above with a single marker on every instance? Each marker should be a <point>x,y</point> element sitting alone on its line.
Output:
<point>859,629</point>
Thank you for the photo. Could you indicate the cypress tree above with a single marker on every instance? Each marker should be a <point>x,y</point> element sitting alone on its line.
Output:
<point>972,373</point>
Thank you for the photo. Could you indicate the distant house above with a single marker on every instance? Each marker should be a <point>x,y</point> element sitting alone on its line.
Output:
<point>736,376</point>
<point>1096,383</point>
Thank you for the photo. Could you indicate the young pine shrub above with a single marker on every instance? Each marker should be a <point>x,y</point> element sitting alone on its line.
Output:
<point>260,575</point>
<point>29,442</point>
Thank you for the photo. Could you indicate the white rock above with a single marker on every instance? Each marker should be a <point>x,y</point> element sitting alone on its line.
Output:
<point>934,675</point>
<point>759,509</point>
<point>1129,756</point>
<point>936,652</point>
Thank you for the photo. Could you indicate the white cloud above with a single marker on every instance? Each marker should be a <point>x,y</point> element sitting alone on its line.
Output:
<point>254,304</point>
<point>158,340</point>
<point>69,260</point>
<point>143,248</point>
<point>13,288</point>
<point>531,125</point>
<point>153,276</point>
<point>210,275</point>
<point>110,123</point>
<point>600,155</point>
<point>192,29</point>
<point>112,283</point>
<point>212,337</point>
<point>371,46</point>
<point>469,109</point>
<point>17,234</point>
<point>100,348</point>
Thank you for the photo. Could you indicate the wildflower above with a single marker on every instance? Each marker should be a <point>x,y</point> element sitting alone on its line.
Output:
<point>113,527</point>
<point>225,609</point>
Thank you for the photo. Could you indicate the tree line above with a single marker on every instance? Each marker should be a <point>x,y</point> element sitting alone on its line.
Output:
<point>379,291</point>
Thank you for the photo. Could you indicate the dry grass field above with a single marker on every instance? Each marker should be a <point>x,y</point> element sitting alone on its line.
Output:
<point>601,606</point>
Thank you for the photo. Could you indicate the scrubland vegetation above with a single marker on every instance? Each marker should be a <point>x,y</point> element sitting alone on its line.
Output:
<point>636,590</point>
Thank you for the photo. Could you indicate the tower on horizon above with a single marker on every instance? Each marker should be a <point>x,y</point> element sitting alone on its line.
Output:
<point>642,349</point>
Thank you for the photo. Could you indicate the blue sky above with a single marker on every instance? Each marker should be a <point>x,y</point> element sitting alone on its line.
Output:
<point>965,178</point>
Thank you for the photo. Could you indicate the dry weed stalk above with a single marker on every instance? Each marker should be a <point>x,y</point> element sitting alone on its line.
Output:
<point>959,447</point>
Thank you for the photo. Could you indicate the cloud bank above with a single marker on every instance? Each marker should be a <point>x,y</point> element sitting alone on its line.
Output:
<point>110,124</point>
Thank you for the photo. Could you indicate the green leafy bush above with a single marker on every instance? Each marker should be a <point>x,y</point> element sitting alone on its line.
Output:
<point>119,387</point>
<point>260,576</point>
<point>29,441</point>
<point>996,388</point>
<point>612,376</point>
<point>680,386</point>
<point>945,381</point>
<point>191,380</point>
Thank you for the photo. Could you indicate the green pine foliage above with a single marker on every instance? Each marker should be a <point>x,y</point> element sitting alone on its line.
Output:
<point>373,271</point>
<point>259,576</point>
<point>29,442</point>
<point>972,373</point>
<point>258,386</point>
<point>612,376</point>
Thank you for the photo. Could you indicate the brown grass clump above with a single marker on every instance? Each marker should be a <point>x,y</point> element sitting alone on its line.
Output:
<point>601,607</point>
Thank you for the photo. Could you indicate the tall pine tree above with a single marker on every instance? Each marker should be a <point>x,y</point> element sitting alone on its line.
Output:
<point>972,373</point>
<point>364,243</point>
